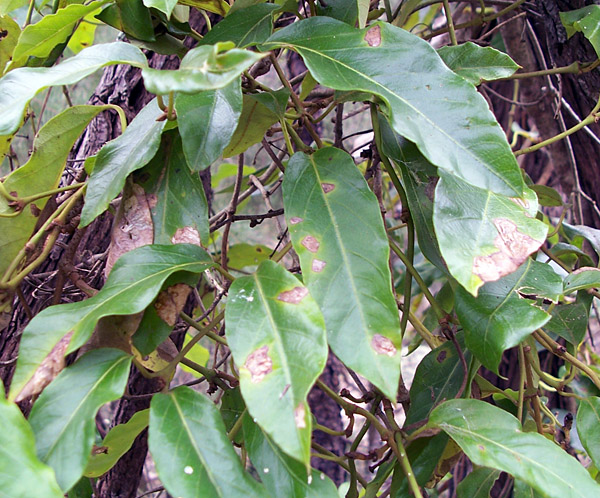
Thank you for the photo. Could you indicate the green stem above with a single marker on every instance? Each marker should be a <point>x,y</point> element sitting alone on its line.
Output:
<point>413,485</point>
<point>521,384</point>
<point>237,426</point>
<point>327,430</point>
<point>450,22</point>
<point>427,336</point>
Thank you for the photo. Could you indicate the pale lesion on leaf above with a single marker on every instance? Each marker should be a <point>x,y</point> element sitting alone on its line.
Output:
<point>293,296</point>
<point>259,364</point>
<point>317,265</point>
<point>310,243</point>
<point>383,345</point>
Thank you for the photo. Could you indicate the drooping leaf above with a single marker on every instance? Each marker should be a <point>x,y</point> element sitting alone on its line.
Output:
<point>207,67</point>
<point>488,319</point>
<point>19,86</point>
<point>244,27</point>
<point>569,321</point>
<point>179,208</point>
<point>592,235</point>
<point>21,472</point>
<point>132,284</point>
<point>588,421</point>
<point>62,418</point>
<point>130,151</point>
<point>131,17</point>
<point>115,444</point>
<point>439,111</point>
<point>189,445</point>
<point>220,7</point>
<point>39,39</point>
<point>40,174</point>
<point>259,112</point>
<point>438,377</point>
<point>585,21</point>
<point>9,41</point>
<point>583,278</point>
<point>207,121</point>
<point>492,438</point>
<point>478,483</point>
<point>475,63</point>
<point>282,475</point>
<point>336,228</point>
<point>484,236</point>
<point>276,334</point>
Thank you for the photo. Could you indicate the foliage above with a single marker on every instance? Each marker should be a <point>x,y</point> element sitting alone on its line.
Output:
<point>437,211</point>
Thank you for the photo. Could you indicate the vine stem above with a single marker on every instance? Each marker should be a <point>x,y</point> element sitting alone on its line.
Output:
<point>450,22</point>
<point>406,467</point>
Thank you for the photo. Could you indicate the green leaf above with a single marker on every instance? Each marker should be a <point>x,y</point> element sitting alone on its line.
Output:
<point>207,67</point>
<point>492,438</point>
<point>21,472</point>
<point>337,230</point>
<point>244,27</point>
<point>179,208</point>
<point>484,236</point>
<point>40,39</point>
<point>488,319</point>
<point>133,283</point>
<point>165,6</point>
<point>19,86</point>
<point>588,421</point>
<point>83,36</point>
<point>115,444</point>
<point>40,174</point>
<point>207,121</point>
<point>476,64</point>
<point>276,334</point>
<point>119,157</point>
<point>569,321</point>
<point>592,235</point>
<point>478,483</point>
<point>523,490</point>
<point>198,354</point>
<point>62,418</point>
<point>283,476</point>
<point>583,278</point>
<point>241,255</point>
<point>259,112</point>
<point>438,377</point>
<point>439,111</point>
<point>131,17</point>
<point>220,7</point>
<point>189,445</point>
<point>9,41</point>
<point>547,196</point>
<point>586,21</point>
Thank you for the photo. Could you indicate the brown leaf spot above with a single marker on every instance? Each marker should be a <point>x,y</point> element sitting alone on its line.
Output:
<point>382,345</point>
<point>300,416</point>
<point>520,202</point>
<point>327,187</point>
<point>293,296</point>
<point>441,356</point>
<point>373,36</point>
<point>48,369</point>
<point>171,301</point>
<point>186,235</point>
<point>35,211</point>
<point>294,220</point>
<point>259,364</point>
<point>152,200</point>
<point>318,265</point>
<point>513,248</point>
<point>310,243</point>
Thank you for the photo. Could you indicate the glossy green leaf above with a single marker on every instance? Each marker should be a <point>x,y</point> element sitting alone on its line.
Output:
<point>492,438</point>
<point>569,321</point>
<point>478,483</point>
<point>438,377</point>
<point>588,422</point>
<point>19,86</point>
<point>40,174</point>
<point>189,445</point>
<point>133,283</point>
<point>484,236</point>
<point>276,334</point>
<point>547,196</point>
<point>583,278</point>
<point>220,7</point>
<point>586,21</point>
<point>283,476</point>
<point>439,111</point>
<point>207,121</point>
<point>336,228</point>
<point>130,151</point>
<point>40,39</point>
<point>165,6</point>
<point>207,67</point>
<point>475,63</point>
<point>259,112</point>
<point>180,211</point>
<point>115,444</point>
<point>131,17</point>
<point>245,27</point>
<point>21,472</point>
<point>62,418</point>
<point>9,41</point>
<point>488,319</point>
<point>523,490</point>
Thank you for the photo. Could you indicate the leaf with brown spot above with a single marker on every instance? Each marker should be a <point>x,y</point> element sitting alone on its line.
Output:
<point>294,220</point>
<point>317,265</point>
<point>171,301</point>
<point>327,187</point>
<point>310,243</point>
<point>382,345</point>
<point>276,334</point>
<point>373,36</point>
